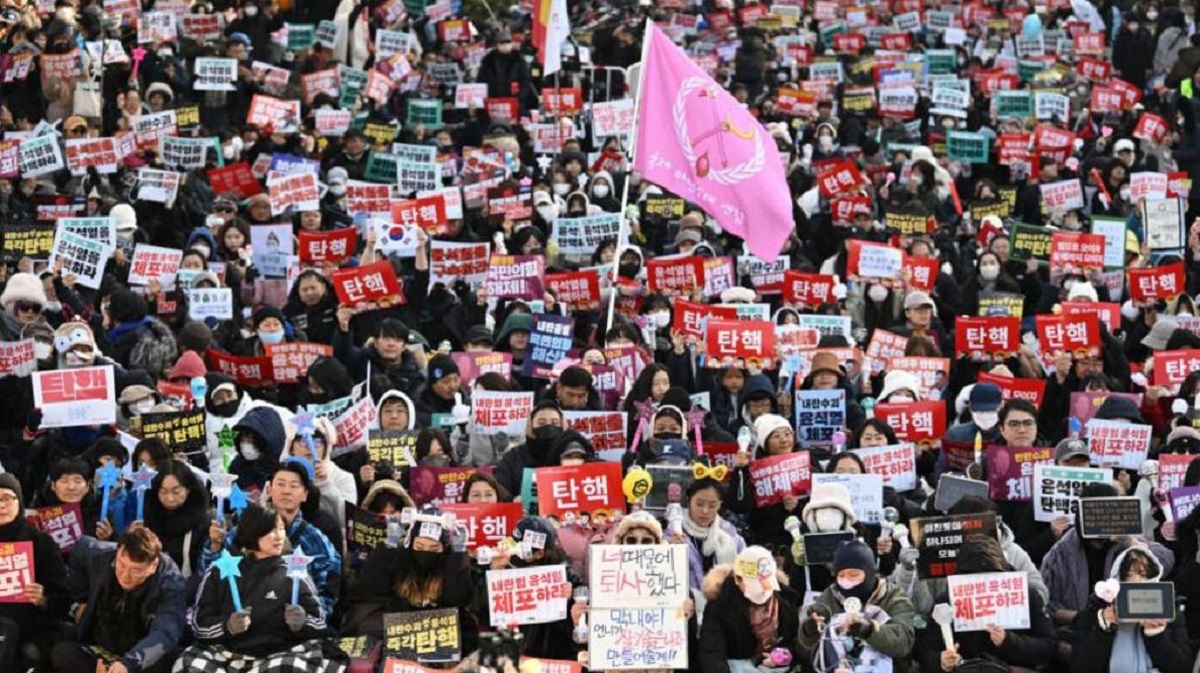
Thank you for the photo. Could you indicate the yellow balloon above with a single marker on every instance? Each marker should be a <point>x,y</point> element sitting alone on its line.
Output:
<point>637,484</point>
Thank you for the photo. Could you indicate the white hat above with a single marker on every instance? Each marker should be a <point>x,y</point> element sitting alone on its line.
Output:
<point>736,295</point>
<point>826,496</point>
<point>1124,145</point>
<point>23,287</point>
<point>896,381</point>
<point>766,424</point>
<point>124,216</point>
<point>756,567</point>
<point>1083,290</point>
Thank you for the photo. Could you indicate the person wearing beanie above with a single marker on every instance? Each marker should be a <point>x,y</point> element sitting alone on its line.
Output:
<point>33,622</point>
<point>387,354</point>
<point>187,367</point>
<point>883,625</point>
<point>900,387</point>
<point>442,391</point>
<point>1029,648</point>
<point>775,435</point>
<point>640,527</point>
<point>750,615</point>
<point>137,340</point>
<point>23,299</point>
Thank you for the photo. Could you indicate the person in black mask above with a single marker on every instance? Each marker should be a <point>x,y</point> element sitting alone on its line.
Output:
<point>424,573</point>
<point>546,425</point>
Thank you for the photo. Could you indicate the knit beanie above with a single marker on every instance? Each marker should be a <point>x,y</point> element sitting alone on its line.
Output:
<point>441,366</point>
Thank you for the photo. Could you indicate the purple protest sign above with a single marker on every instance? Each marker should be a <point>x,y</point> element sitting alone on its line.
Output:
<point>1184,500</point>
<point>1010,471</point>
<point>439,485</point>
<point>548,344</point>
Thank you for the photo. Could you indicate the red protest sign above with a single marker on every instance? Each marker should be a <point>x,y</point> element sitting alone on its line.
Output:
<point>1159,282</point>
<point>1078,335</point>
<point>486,524</point>
<point>738,343</point>
<point>427,212</point>
<point>327,246</point>
<point>923,271</point>
<point>291,361</point>
<point>472,365</point>
<point>1151,127</point>
<point>1091,44</point>
<point>689,316</point>
<point>590,487</point>
<point>560,102</point>
<point>63,523</point>
<point>675,277</point>
<point>849,43</point>
<point>578,289</point>
<point>842,177</point>
<point>516,276</point>
<point>1172,467</point>
<point>917,422</point>
<point>234,179</point>
<point>808,289</point>
<point>1172,367</point>
<point>370,286</point>
<point>846,207</point>
<point>796,103</point>
<point>777,477</point>
<point>1093,69</point>
<point>1107,313</point>
<point>367,197</point>
<point>604,429</point>
<point>896,41</point>
<point>992,336</point>
<point>248,371</point>
<point>1031,390</point>
<point>1077,251</point>
<point>16,571</point>
<point>502,110</point>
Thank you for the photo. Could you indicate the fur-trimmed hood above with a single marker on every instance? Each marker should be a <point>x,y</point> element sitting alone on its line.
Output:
<point>720,572</point>
<point>387,486</point>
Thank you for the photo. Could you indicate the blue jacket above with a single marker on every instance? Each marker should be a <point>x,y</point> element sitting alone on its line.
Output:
<point>163,609</point>
<point>264,422</point>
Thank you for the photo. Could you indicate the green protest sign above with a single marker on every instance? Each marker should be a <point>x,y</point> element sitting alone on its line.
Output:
<point>1013,104</point>
<point>301,36</point>
<point>381,167</point>
<point>425,111</point>
<point>941,61</point>
<point>967,146</point>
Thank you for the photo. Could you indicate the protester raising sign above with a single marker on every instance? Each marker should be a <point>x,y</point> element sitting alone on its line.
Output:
<point>989,599</point>
<point>1056,490</point>
<point>779,477</point>
<point>497,412</point>
<point>536,595</point>
<point>1118,443</point>
<point>485,524</point>
<point>938,539</point>
<point>1010,471</point>
<point>896,464</point>
<point>368,287</point>
<point>738,343</point>
<point>16,571</point>
<point>590,487</point>
<point>75,397</point>
<point>516,277</point>
<point>634,612</point>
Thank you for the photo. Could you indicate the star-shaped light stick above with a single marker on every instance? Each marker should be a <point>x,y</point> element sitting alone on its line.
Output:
<point>238,499</point>
<point>142,480</point>
<point>139,53</point>
<point>222,485</point>
<point>110,475</point>
<point>305,428</point>
<point>225,440</point>
<point>297,569</point>
<point>227,566</point>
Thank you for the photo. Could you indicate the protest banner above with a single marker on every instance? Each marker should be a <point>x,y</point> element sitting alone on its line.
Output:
<point>469,262</point>
<point>549,341</point>
<point>737,343</point>
<point>281,115</point>
<point>516,277</point>
<point>17,571</point>
<point>591,487</point>
<point>39,156</point>
<point>581,235</point>
<point>85,153</point>
<point>553,665</point>
<point>368,287</point>
<point>983,600</point>
<point>780,476</point>
<point>933,373</point>
<point>485,524</point>
<point>10,158</point>
<point>428,213</point>
<point>27,240</point>
<point>75,397</point>
<point>365,530</point>
<point>470,95</point>
<point>1031,390</point>
<point>297,191</point>
<point>395,447</point>
<point>987,338</point>
<point>534,595</point>
<point>1110,517</point>
<point>1031,242</point>
<point>1164,224</point>
<point>17,358</point>
<point>497,412</point>
<point>215,74</point>
<point>63,523</point>
<point>234,179</point>
<point>606,430</point>
<point>1157,282</point>
<point>579,290</point>
<point>272,249</point>
<point>938,539</point>
<point>1005,304</point>
<point>819,414</point>
<point>896,464</point>
<point>366,197</point>
<point>1118,443</point>
<point>866,493</point>
<point>158,186</point>
<point>1010,471</point>
<point>440,485</point>
<point>1078,336</point>
<point>952,488</point>
<point>426,636</point>
<point>83,258</point>
<point>1109,313</point>
<point>874,260</point>
<point>248,371</point>
<point>921,423</point>
<point>675,276</point>
<point>613,118</point>
<point>183,431</point>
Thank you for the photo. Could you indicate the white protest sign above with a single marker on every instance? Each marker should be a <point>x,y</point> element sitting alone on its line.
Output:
<point>215,74</point>
<point>152,262</point>
<point>497,412</point>
<point>158,186</point>
<point>467,95</point>
<point>76,397</point>
<point>214,302</point>
<point>896,464</point>
<point>866,493</point>
<point>1056,489</point>
<point>983,599</point>
<point>83,258</point>
<point>532,595</point>
<point>17,358</point>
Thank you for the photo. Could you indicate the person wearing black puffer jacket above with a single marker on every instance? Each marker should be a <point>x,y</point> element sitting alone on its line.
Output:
<point>312,307</point>
<point>177,511</point>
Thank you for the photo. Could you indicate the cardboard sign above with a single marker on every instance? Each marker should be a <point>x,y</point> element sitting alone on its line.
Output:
<point>75,397</point>
<point>1110,517</point>
<point>1159,282</point>
<point>984,599</point>
<point>534,595</point>
<point>426,636</point>
<point>485,524</point>
<point>637,589</point>
<point>588,488</point>
<point>371,286</point>
<point>1118,443</point>
<point>918,422</point>
<point>938,539</point>
<point>516,277</point>
<point>1010,471</point>
<point>63,523</point>
<point>779,476</point>
<point>17,571</point>
<point>442,486</point>
<point>291,360</point>
<point>896,464</point>
<point>496,412</point>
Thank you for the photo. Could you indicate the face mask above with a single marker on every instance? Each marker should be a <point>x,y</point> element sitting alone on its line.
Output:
<point>505,48</point>
<point>847,585</point>
<point>600,191</point>
<point>663,436</point>
<point>54,306</point>
<point>271,338</point>
<point>659,320</point>
<point>223,410</point>
<point>548,213</point>
<point>229,152</point>
<point>141,408</point>
<point>203,250</point>
<point>214,221</point>
<point>1152,15</point>
<point>251,10</point>
<point>124,237</point>
<point>877,293</point>
<point>917,180</point>
<point>42,351</point>
<point>627,270</point>
<point>249,451</point>
<point>543,438</point>
<point>435,461</point>
<point>826,142</point>
<point>561,188</point>
<point>828,519</point>
<point>74,359</point>
<point>985,420</point>
<point>337,190</point>
<point>165,54</point>
<point>426,560</point>
<point>989,272</point>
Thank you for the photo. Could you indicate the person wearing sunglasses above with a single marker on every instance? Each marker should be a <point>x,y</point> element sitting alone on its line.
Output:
<point>23,300</point>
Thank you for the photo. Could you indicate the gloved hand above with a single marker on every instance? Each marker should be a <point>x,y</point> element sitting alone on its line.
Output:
<point>239,622</point>
<point>461,413</point>
<point>34,420</point>
<point>293,616</point>
<point>861,627</point>
<point>909,556</point>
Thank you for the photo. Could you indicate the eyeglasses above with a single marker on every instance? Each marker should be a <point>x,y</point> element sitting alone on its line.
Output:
<point>1017,425</point>
<point>8,499</point>
<point>637,539</point>
<point>28,307</point>
<point>224,209</point>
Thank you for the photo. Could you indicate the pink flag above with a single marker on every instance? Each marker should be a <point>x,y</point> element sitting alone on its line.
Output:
<point>697,141</point>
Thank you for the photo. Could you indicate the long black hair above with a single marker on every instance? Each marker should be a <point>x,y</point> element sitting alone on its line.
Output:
<point>256,521</point>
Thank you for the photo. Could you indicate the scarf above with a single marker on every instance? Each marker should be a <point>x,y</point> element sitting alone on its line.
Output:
<point>764,622</point>
<point>124,328</point>
<point>715,541</point>
<point>1129,650</point>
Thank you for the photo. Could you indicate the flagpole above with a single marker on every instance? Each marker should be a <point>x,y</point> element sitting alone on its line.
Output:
<point>623,227</point>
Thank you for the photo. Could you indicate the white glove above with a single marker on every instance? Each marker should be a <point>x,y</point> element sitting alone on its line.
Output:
<point>461,412</point>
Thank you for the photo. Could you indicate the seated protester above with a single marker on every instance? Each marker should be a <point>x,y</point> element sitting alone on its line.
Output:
<point>122,506</point>
<point>269,633</point>
<point>336,486</point>
<point>287,491</point>
<point>259,442</point>
<point>828,374</point>
<point>538,543</point>
<point>711,541</point>
<point>664,440</point>
<point>433,449</point>
<point>387,497</point>
<point>423,573</point>
<point>151,453</point>
<point>177,510</point>
<point>752,619</point>
<point>483,487</point>
<point>437,398</point>
<point>546,424</point>
<point>575,391</point>
<point>882,628</point>
<point>131,606</point>
<point>1024,650</point>
<point>875,432</point>
<point>775,438</point>
<point>387,354</point>
<point>30,625</point>
<point>924,592</point>
<point>829,510</point>
<point>393,411</point>
<point>70,484</point>
<point>473,449</point>
<point>1104,644</point>
<point>1075,564</point>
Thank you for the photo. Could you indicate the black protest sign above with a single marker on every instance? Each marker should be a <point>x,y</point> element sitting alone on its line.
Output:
<point>1110,517</point>
<point>1030,242</point>
<point>27,240</point>
<point>357,646</point>
<point>398,447</point>
<point>661,205</point>
<point>1146,600</point>
<point>424,636</point>
<point>939,537</point>
<point>365,530</point>
<point>819,548</point>
<point>670,483</point>
<point>183,431</point>
<point>952,488</point>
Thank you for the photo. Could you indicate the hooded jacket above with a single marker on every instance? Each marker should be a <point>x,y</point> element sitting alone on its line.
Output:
<point>387,486</point>
<point>265,423</point>
<point>162,595</point>
<point>338,487</point>
<point>1065,568</point>
<point>725,631</point>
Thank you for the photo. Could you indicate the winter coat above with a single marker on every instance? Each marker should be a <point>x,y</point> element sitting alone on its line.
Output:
<point>184,531</point>
<point>1065,569</point>
<point>405,376</point>
<point>510,471</point>
<point>147,344</point>
<point>266,424</point>
<point>318,322</point>
<point>1171,42</point>
<point>265,590</point>
<point>37,623</point>
<point>894,639</point>
<point>1030,647</point>
<point>725,631</point>
<point>163,601</point>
